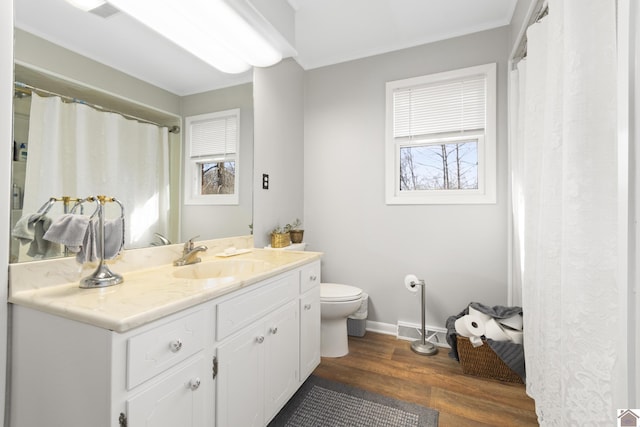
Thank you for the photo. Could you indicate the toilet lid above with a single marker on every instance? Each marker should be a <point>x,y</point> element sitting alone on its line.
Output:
<point>337,292</point>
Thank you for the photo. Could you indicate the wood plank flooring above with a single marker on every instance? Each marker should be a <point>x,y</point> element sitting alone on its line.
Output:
<point>385,365</point>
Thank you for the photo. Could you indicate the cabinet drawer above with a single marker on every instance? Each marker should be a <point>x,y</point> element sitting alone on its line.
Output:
<point>156,350</point>
<point>309,277</point>
<point>242,310</point>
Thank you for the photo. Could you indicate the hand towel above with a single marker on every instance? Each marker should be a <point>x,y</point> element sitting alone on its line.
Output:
<point>69,230</point>
<point>41,247</point>
<point>23,230</point>
<point>87,249</point>
<point>113,237</point>
<point>113,241</point>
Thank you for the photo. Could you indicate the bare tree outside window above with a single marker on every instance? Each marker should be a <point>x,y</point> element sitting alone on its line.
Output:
<point>218,177</point>
<point>446,166</point>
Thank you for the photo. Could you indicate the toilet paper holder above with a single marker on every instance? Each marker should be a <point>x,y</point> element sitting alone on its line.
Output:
<point>421,346</point>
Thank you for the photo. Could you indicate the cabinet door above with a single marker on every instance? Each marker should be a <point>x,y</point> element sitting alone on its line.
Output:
<point>309,332</point>
<point>181,399</point>
<point>240,380</point>
<point>281,357</point>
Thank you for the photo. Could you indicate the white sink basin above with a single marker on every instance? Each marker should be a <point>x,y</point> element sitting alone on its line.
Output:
<point>226,270</point>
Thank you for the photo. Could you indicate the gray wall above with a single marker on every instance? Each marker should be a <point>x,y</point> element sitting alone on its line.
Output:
<point>39,53</point>
<point>460,250</point>
<point>278,147</point>
<point>233,220</point>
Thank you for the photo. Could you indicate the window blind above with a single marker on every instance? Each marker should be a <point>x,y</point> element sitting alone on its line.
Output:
<point>214,136</point>
<point>452,106</point>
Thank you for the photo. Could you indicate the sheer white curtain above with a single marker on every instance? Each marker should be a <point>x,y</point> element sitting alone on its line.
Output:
<point>77,151</point>
<point>564,177</point>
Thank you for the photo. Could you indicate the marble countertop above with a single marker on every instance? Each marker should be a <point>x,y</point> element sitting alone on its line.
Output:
<point>150,294</point>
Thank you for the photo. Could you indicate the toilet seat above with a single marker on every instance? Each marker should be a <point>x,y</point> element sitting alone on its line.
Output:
<point>334,292</point>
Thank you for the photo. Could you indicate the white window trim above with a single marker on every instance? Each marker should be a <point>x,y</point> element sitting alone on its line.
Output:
<point>486,192</point>
<point>192,178</point>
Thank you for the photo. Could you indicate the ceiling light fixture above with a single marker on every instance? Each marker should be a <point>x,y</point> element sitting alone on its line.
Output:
<point>209,29</point>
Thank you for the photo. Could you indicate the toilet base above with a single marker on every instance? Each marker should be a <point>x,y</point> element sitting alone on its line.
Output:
<point>334,341</point>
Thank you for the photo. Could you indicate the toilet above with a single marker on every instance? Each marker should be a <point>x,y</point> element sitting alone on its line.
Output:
<point>337,303</point>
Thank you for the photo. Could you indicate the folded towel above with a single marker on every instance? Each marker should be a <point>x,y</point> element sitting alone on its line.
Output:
<point>69,230</point>
<point>41,247</point>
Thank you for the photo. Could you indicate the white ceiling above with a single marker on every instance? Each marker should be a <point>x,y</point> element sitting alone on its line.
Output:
<point>326,31</point>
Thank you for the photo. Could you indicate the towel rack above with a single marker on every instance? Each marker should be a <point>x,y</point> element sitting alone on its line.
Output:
<point>103,276</point>
<point>66,200</point>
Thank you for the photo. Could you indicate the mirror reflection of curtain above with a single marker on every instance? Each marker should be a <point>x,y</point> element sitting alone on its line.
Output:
<point>75,150</point>
<point>564,190</point>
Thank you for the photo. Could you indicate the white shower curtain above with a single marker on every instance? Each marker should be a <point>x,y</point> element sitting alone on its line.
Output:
<point>75,150</point>
<point>564,178</point>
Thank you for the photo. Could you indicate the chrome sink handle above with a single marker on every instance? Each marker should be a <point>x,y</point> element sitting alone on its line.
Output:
<point>188,245</point>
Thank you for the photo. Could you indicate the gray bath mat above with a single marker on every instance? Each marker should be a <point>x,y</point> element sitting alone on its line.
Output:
<point>323,403</point>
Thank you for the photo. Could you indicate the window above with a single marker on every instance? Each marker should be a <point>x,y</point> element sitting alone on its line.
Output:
<point>441,138</point>
<point>211,158</point>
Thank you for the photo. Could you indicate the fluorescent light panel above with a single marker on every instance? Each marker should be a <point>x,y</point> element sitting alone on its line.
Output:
<point>208,29</point>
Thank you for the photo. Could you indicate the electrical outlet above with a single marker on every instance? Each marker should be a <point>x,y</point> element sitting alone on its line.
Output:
<point>265,181</point>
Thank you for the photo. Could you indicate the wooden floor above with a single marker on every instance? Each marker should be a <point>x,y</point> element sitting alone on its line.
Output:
<point>385,365</point>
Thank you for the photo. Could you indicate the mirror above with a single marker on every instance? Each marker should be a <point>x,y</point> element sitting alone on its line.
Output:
<point>47,66</point>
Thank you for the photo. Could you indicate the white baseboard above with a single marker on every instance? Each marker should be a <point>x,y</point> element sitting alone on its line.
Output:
<point>382,328</point>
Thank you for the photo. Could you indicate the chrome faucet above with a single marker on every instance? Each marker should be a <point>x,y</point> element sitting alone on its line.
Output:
<point>190,253</point>
<point>163,240</point>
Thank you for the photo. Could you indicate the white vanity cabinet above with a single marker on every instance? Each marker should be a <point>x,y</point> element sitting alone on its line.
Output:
<point>309,319</point>
<point>258,369</point>
<point>227,362</point>
<point>184,396</point>
<point>68,373</point>
<point>259,365</point>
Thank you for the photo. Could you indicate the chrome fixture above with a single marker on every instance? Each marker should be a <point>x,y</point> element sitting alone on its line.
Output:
<point>190,253</point>
<point>163,240</point>
<point>103,277</point>
<point>421,346</point>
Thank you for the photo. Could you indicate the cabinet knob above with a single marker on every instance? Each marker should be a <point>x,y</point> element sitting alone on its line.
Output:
<point>307,306</point>
<point>194,384</point>
<point>176,345</point>
<point>260,339</point>
<point>274,330</point>
<point>313,277</point>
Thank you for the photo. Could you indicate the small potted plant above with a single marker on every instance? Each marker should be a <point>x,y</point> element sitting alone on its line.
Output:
<point>280,237</point>
<point>295,231</point>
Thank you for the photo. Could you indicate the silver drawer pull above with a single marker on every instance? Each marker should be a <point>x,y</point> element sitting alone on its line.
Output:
<point>194,384</point>
<point>307,306</point>
<point>274,330</point>
<point>176,345</point>
<point>260,339</point>
<point>313,277</point>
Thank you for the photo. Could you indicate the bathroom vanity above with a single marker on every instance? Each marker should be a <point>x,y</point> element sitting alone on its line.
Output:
<point>170,346</point>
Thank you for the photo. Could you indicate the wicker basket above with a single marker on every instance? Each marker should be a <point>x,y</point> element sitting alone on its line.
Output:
<point>280,240</point>
<point>484,362</point>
